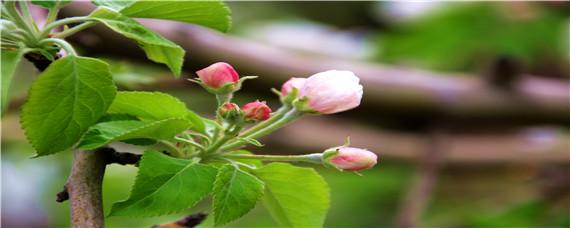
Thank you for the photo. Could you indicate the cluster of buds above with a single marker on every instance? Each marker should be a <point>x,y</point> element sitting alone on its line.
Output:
<point>250,112</point>
<point>326,92</point>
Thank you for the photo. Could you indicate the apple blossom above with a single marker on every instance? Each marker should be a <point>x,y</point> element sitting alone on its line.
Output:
<point>332,91</point>
<point>349,158</point>
<point>218,75</point>
<point>288,86</point>
<point>256,110</point>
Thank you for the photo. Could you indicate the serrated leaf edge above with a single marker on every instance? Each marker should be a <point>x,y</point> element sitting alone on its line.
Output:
<point>157,122</point>
<point>24,122</point>
<point>173,98</point>
<point>166,212</point>
<point>215,206</point>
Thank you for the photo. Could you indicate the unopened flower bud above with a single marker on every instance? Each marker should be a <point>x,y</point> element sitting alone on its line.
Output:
<point>331,91</point>
<point>228,110</point>
<point>349,158</point>
<point>256,110</point>
<point>218,75</point>
<point>288,86</point>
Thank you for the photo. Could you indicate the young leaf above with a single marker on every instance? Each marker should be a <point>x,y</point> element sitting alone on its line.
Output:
<point>10,60</point>
<point>156,47</point>
<point>104,133</point>
<point>235,194</point>
<point>213,14</point>
<point>148,105</point>
<point>295,196</point>
<point>50,4</point>
<point>166,185</point>
<point>250,141</point>
<point>65,100</point>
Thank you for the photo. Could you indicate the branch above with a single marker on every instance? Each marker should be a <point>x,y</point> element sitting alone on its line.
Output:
<point>84,186</point>
<point>403,92</point>
<point>110,157</point>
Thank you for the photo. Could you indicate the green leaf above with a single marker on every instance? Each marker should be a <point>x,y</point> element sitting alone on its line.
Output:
<point>114,4</point>
<point>295,196</point>
<point>116,117</point>
<point>107,132</point>
<point>251,162</point>
<point>235,194</point>
<point>166,185</point>
<point>65,100</point>
<point>156,47</point>
<point>213,14</point>
<point>50,4</point>
<point>197,122</point>
<point>9,63</point>
<point>148,105</point>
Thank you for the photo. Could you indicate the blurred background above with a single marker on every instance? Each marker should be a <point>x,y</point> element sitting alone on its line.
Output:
<point>467,105</point>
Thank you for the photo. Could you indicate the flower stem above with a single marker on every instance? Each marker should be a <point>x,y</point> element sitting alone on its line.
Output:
<point>28,16</point>
<point>17,18</point>
<point>187,141</point>
<point>75,29</point>
<point>274,117</point>
<point>315,158</point>
<point>48,27</point>
<point>275,124</point>
<point>62,43</point>
<point>223,98</point>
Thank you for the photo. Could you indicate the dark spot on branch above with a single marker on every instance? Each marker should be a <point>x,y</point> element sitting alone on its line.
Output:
<point>40,61</point>
<point>63,195</point>
<point>189,221</point>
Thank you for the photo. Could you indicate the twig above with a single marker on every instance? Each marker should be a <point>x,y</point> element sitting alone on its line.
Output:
<point>63,195</point>
<point>189,221</point>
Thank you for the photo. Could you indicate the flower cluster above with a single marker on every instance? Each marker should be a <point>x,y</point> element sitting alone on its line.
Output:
<point>326,92</point>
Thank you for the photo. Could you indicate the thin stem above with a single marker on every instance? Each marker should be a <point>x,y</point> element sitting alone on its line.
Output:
<point>75,29</point>
<point>195,144</point>
<point>228,135</point>
<point>288,117</point>
<point>25,8</point>
<point>315,158</point>
<point>52,14</point>
<point>47,29</point>
<point>205,139</point>
<point>223,98</point>
<point>274,117</point>
<point>20,22</point>
<point>173,148</point>
<point>62,43</point>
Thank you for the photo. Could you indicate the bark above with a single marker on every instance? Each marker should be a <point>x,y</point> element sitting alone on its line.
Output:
<point>85,188</point>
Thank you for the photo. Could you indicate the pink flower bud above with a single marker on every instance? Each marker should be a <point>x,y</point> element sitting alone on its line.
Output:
<point>256,110</point>
<point>350,158</point>
<point>218,74</point>
<point>228,109</point>
<point>288,86</point>
<point>332,91</point>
